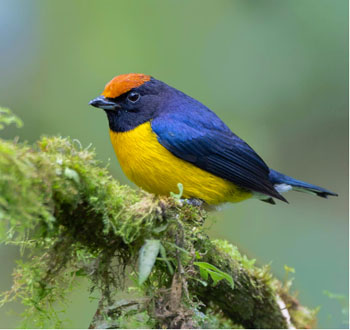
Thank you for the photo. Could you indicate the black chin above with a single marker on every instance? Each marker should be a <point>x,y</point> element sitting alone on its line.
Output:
<point>123,121</point>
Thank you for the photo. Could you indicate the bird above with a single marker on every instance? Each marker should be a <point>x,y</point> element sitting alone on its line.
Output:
<point>163,137</point>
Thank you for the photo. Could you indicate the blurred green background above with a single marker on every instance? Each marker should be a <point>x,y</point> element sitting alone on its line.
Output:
<point>275,71</point>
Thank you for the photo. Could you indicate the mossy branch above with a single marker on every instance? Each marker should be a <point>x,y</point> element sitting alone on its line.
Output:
<point>73,219</point>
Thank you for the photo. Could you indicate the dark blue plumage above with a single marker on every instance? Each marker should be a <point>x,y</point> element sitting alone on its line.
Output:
<point>194,133</point>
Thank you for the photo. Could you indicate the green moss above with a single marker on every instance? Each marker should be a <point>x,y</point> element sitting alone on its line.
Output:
<point>70,214</point>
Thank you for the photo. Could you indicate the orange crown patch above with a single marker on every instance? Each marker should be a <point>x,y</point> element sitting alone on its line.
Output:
<point>123,83</point>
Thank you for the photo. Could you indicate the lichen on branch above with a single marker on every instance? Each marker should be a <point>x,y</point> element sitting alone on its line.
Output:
<point>72,219</point>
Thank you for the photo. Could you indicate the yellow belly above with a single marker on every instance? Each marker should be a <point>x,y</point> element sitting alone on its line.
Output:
<point>152,167</point>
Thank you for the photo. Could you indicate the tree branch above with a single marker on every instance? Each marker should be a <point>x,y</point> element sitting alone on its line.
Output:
<point>76,221</point>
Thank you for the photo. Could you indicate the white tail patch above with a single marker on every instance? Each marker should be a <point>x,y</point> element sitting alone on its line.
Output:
<point>283,187</point>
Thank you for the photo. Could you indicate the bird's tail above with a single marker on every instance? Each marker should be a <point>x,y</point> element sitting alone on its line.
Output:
<point>284,183</point>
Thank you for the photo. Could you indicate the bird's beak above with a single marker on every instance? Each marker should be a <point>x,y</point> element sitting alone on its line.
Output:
<point>104,103</point>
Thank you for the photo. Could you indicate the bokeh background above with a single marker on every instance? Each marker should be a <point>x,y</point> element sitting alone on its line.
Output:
<point>275,71</point>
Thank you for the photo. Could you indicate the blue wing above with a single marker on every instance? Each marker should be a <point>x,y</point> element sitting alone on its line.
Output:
<point>195,134</point>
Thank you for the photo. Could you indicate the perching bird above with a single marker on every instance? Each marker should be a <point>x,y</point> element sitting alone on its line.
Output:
<point>163,137</point>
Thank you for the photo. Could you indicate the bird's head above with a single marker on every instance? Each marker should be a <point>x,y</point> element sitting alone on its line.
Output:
<point>130,100</point>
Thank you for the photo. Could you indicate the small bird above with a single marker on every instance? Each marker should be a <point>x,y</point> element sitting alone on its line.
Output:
<point>163,137</point>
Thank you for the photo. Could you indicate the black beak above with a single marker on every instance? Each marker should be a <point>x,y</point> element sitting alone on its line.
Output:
<point>103,103</point>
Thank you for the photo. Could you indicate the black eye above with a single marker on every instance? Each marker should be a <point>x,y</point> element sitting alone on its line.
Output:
<point>133,97</point>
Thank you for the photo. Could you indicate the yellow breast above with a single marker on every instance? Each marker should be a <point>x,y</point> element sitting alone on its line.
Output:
<point>151,166</point>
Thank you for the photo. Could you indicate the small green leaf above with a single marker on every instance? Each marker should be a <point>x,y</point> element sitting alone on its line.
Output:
<point>147,257</point>
<point>216,274</point>
<point>198,256</point>
<point>7,118</point>
<point>216,277</point>
<point>163,254</point>
<point>181,190</point>
<point>203,273</point>
<point>289,269</point>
